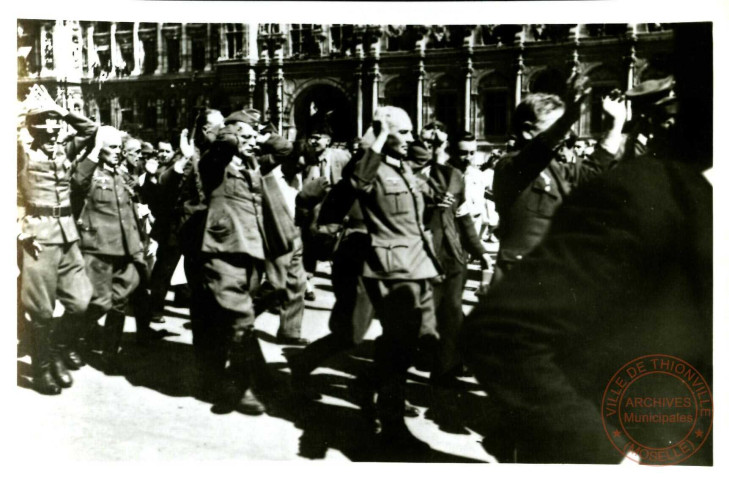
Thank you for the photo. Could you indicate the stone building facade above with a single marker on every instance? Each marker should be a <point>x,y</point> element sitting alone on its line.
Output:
<point>150,79</point>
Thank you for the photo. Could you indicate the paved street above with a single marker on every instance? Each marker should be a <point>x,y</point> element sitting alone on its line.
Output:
<point>149,413</point>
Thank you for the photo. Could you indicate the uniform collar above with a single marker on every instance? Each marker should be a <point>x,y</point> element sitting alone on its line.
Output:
<point>394,162</point>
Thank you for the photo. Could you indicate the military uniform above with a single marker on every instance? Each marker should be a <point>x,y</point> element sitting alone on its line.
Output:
<point>399,266</point>
<point>529,186</point>
<point>246,223</point>
<point>57,273</point>
<point>111,243</point>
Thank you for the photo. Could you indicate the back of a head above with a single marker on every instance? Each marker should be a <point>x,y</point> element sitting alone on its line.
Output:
<point>533,107</point>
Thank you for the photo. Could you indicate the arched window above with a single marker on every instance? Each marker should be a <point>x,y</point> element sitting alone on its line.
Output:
<point>549,80</point>
<point>495,102</point>
<point>446,102</point>
<point>603,80</point>
<point>400,92</point>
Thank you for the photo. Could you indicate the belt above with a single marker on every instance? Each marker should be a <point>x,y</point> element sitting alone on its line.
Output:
<point>55,211</point>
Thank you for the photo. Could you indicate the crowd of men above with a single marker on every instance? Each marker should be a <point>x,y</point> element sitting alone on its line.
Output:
<point>400,218</point>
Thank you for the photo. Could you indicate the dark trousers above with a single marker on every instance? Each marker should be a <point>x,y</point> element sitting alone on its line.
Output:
<point>448,300</point>
<point>168,256</point>
<point>400,306</point>
<point>286,274</point>
<point>226,313</point>
<point>352,313</point>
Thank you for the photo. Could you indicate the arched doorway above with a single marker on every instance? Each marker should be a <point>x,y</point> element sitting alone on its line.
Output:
<point>324,104</point>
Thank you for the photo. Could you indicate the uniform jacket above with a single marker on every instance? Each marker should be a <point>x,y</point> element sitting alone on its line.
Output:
<point>44,182</point>
<point>392,205</point>
<point>626,270</point>
<point>247,212</point>
<point>454,235</point>
<point>529,186</point>
<point>108,221</point>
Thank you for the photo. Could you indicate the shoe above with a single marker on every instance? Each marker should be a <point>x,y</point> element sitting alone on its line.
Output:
<point>72,359</point>
<point>159,319</point>
<point>250,405</point>
<point>310,295</point>
<point>45,384</point>
<point>293,341</point>
<point>111,364</point>
<point>411,411</point>
<point>145,338</point>
<point>60,372</point>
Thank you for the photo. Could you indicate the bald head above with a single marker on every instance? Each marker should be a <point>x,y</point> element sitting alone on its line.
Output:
<point>400,130</point>
<point>110,139</point>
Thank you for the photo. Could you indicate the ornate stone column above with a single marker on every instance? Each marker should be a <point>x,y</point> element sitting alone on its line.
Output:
<point>277,41</point>
<point>468,70</point>
<point>47,53</point>
<point>223,42</point>
<point>137,49</point>
<point>420,79</point>
<point>90,50</point>
<point>208,47</point>
<point>358,37</point>
<point>374,36</point>
<point>161,51</point>
<point>113,53</point>
<point>184,49</point>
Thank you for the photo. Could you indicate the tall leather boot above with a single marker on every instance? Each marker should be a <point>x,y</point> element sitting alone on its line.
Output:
<point>243,364</point>
<point>66,338</point>
<point>43,380</point>
<point>113,331</point>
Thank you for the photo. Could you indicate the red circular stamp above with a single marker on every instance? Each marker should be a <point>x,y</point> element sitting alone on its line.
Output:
<point>659,407</point>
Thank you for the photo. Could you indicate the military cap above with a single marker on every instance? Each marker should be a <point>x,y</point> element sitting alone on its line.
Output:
<point>250,116</point>
<point>654,95</point>
<point>321,128</point>
<point>651,91</point>
<point>43,119</point>
<point>419,153</point>
<point>435,124</point>
<point>147,149</point>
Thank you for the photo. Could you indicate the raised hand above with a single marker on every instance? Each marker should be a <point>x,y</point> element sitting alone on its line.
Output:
<point>187,146</point>
<point>615,108</point>
<point>578,88</point>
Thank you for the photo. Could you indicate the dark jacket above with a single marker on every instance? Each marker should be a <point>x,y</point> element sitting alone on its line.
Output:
<point>108,221</point>
<point>529,186</point>
<point>454,235</point>
<point>625,271</point>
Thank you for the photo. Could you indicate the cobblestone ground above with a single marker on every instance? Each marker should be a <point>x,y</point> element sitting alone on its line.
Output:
<point>149,413</point>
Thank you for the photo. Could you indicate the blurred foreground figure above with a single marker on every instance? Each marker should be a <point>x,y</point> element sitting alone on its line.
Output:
<point>625,271</point>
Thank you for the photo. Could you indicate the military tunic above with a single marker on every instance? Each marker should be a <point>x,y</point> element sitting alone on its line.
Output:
<point>110,237</point>
<point>45,212</point>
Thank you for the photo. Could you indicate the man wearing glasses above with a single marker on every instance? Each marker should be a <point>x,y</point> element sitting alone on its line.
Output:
<point>531,182</point>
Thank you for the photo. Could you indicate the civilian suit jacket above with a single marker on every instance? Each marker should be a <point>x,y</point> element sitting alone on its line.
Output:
<point>625,271</point>
<point>454,235</point>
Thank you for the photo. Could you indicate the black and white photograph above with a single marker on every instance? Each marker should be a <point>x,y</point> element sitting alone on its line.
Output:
<point>382,240</point>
